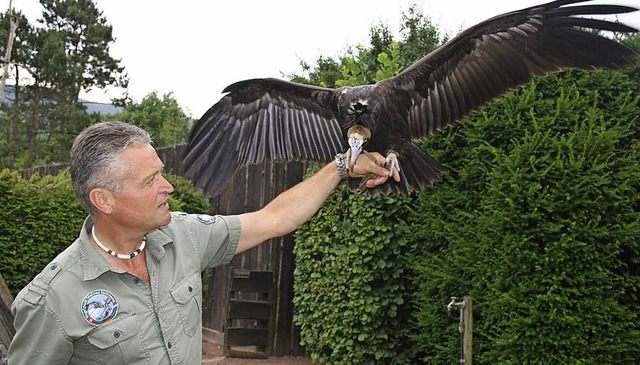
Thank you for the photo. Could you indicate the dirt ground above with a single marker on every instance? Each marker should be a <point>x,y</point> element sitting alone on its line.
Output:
<point>212,353</point>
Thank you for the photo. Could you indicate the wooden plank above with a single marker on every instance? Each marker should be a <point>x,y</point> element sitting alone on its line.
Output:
<point>256,282</point>
<point>237,202</point>
<point>247,354</point>
<point>6,318</point>
<point>247,337</point>
<point>249,309</point>
<point>467,337</point>
<point>216,299</point>
<point>287,334</point>
<point>285,325</point>
<point>244,195</point>
<point>172,158</point>
<point>250,314</point>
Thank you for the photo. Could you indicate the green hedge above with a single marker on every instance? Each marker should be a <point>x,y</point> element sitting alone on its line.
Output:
<point>350,286</point>
<point>538,221</point>
<point>540,224</point>
<point>41,216</point>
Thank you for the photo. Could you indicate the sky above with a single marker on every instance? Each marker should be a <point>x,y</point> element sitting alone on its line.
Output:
<point>194,49</point>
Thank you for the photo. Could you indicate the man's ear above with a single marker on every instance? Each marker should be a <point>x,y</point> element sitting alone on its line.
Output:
<point>102,199</point>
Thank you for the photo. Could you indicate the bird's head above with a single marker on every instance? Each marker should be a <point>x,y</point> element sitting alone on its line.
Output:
<point>357,137</point>
<point>356,102</point>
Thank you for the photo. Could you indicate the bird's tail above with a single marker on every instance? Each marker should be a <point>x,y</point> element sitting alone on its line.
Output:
<point>418,171</point>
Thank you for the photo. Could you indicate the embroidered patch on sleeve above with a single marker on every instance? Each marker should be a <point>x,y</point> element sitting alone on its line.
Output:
<point>205,218</point>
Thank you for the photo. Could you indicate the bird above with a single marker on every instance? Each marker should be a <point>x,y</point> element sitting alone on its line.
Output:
<point>270,119</point>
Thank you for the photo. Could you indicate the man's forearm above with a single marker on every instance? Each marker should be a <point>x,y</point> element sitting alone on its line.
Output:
<point>298,204</point>
<point>295,206</point>
<point>288,210</point>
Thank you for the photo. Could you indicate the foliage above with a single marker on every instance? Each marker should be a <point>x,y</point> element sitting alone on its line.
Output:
<point>163,118</point>
<point>86,36</point>
<point>53,62</point>
<point>186,198</point>
<point>352,291</point>
<point>420,36</point>
<point>349,284</point>
<point>539,223</point>
<point>362,64</point>
<point>353,74</point>
<point>41,217</point>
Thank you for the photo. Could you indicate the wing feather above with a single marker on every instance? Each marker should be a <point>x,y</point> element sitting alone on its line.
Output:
<point>504,52</point>
<point>259,120</point>
<point>269,119</point>
<point>452,102</point>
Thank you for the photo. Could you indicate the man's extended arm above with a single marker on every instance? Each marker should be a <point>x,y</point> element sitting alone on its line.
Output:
<point>297,205</point>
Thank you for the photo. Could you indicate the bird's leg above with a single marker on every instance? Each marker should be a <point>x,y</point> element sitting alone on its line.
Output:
<point>391,162</point>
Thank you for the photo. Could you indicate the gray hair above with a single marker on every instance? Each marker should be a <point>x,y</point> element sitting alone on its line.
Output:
<point>96,158</point>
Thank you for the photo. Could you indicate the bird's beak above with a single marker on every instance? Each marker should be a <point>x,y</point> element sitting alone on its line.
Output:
<point>354,153</point>
<point>357,136</point>
<point>356,143</point>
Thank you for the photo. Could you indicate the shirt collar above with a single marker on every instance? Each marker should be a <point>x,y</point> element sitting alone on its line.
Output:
<point>94,264</point>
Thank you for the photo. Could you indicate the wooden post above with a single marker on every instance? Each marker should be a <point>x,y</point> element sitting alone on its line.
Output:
<point>6,318</point>
<point>467,336</point>
<point>13,24</point>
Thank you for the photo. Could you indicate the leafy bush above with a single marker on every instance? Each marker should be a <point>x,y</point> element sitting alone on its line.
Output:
<point>41,217</point>
<point>184,197</point>
<point>540,224</point>
<point>349,285</point>
<point>538,221</point>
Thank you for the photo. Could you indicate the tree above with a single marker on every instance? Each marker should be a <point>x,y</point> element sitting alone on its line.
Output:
<point>85,37</point>
<point>163,118</point>
<point>362,64</point>
<point>68,53</point>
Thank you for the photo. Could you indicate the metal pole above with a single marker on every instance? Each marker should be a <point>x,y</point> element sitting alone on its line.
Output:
<point>465,328</point>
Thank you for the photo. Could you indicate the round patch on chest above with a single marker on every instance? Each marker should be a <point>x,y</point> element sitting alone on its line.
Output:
<point>99,306</point>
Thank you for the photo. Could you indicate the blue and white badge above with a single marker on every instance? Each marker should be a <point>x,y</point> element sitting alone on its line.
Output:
<point>205,218</point>
<point>99,306</point>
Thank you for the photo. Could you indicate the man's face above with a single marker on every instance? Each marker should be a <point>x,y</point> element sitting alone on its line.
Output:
<point>143,202</point>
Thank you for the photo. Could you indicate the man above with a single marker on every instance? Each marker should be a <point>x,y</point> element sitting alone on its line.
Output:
<point>128,290</point>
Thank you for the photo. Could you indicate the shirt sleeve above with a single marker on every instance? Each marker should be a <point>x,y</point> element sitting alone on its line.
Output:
<point>39,338</point>
<point>217,236</point>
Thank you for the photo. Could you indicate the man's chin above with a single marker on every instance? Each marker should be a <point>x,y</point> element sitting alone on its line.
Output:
<point>164,219</point>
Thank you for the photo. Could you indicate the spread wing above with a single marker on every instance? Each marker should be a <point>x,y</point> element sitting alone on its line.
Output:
<point>262,120</point>
<point>504,52</point>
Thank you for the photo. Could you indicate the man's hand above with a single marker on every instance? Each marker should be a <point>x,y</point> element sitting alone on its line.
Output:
<point>373,163</point>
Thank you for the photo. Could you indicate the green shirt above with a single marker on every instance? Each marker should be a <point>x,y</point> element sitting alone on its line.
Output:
<point>157,325</point>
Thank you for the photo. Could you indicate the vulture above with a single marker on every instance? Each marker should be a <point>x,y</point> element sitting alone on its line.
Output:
<point>270,119</point>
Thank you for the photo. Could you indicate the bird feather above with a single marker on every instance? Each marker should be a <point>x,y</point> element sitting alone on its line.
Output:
<point>275,120</point>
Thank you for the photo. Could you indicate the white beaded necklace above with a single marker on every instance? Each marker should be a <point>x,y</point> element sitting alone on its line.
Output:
<point>115,254</point>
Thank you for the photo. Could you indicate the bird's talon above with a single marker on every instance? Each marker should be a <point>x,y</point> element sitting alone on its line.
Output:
<point>391,162</point>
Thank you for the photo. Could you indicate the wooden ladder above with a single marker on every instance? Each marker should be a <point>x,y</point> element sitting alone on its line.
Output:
<point>250,312</point>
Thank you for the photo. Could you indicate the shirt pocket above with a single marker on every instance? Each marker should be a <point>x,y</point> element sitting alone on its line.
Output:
<point>118,342</point>
<point>187,296</point>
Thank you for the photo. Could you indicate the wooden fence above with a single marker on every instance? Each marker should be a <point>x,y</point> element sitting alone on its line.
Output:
<point>6,321</point>
<point>249,190</point>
